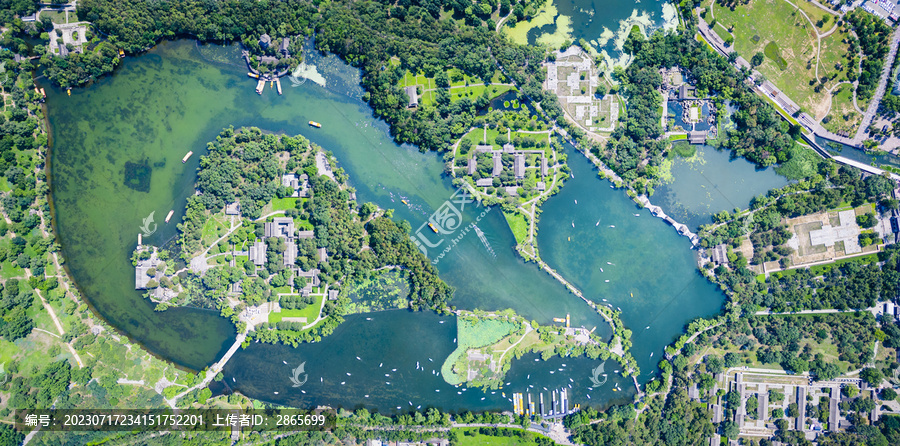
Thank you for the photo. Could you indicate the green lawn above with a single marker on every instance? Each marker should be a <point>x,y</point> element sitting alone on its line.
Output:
<point>518,225</point>
<point>311,312</point>
<point>303,225</point>
<point>471,437</point>
<point>8,270</point>
<point>56,17</point>
<point>283,204</point>
<point>842,117</point>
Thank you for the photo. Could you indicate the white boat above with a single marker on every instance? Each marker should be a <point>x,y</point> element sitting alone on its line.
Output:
<point>651,354</point>
<point>342,382</point>
<point>576,201</point>
<point>601,270</point>
<point>607,280</point>
<point>637,215</point>
<point>232,380</point>
<point>648,327</point>
<point>598,223</point>
<point>604,300</point>
<point>573,223</point>
<point>379,365</point>
<point>169,217</point>
<point>186,157</point>
<point>612,226</point>
<point>366,396</point>
<point>357,358</point>
<point>609,263</point>
<point>348,374</point>
<point>285,362</point>
<point>275,393</point>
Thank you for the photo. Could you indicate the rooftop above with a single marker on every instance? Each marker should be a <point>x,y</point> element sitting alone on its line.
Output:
<point>280,227</point>
<point>257,253</point>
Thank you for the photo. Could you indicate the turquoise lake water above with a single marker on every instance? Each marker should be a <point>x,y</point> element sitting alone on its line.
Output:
<point>177,97</point>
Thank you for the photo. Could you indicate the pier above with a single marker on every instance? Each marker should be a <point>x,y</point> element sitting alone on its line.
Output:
<point>557,404</point>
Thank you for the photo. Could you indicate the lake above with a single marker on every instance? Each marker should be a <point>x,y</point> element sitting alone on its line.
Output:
<point>117,147</point>
<point>710,182</point>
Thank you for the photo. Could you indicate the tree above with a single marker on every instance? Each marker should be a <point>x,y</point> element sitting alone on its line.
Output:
<point>872,376</point>
<point>757,59</point>
<point>465,145</point>
<point>730,429</point>
<point>793,410</point>
<point>888,394</point>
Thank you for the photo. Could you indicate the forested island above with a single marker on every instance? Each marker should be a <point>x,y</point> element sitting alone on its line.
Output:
<point>270,239</point>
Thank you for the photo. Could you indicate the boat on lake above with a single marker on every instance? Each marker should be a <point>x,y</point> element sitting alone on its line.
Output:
<point>186,157</point>
<point>169,217</point>
<point>431,225</point>
<point>315,124</point>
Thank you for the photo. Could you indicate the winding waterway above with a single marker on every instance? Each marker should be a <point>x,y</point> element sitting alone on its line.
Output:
<point>117,147</point>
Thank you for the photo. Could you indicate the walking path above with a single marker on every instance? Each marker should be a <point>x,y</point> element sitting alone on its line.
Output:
<point>527,330</point>
<point>212,371</point>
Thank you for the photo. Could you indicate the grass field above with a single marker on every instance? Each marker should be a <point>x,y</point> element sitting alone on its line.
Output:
<point>817,15</point>
<point>471,437</point>
<point>57,17</point>
<point>843,117</point>
<point>518,225</point>
<point>283,204</point>
<point>311,312</point>
<point>789,41</point>
<point>461,85</point>
<point>774,54</point>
